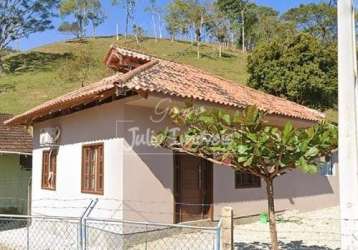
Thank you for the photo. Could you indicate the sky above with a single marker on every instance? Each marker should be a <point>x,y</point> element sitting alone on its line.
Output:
<point>115,15</point>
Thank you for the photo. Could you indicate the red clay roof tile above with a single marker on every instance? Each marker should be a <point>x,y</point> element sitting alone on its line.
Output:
<point>173,79</point>
<point>14,139</point>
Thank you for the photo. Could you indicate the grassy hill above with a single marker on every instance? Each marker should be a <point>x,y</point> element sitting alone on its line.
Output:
<point>35,76</point>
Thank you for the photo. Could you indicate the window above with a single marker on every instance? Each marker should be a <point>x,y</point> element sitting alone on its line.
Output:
<point>49,169</point>
<point>92,169</point>
<point>246,180</point>
<point>327,167</point>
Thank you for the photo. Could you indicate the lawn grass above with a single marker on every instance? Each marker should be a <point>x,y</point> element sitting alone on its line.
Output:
<point>34,76</point>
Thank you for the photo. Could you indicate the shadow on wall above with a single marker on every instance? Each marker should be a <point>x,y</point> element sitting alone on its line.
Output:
<point>289,246</point>
<point>292,185</point>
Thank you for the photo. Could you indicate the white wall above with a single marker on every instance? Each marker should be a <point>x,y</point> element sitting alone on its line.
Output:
<point>90,126</point>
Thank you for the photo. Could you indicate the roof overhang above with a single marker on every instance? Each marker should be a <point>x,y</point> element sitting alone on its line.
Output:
<point>13,153</point>
<point>131,82</point>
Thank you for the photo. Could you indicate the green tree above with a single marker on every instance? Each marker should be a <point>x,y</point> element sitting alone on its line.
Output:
<point>186,15</point>
<point>262,24</point>
<point>236,11</point>
<point>218,26</point>
<point>155,13</point>
<point>255,22</point>
<point>129,6</point>
<point>84,12</point>
<point>318,19</point>
<point>20,18</point>
<point>176,18</point>
<point>70,28</point>
<point>298,67</point>
<point>244,141</point>
<point>138,33</point>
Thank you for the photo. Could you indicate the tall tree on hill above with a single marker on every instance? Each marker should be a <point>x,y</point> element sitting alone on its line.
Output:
<point>138,32</point>
<point>261,24</point>
<point>129,6</point>
<point>20,18</point>
<point>320,20</point>
<point>187,15</point>
<point>155,12</point>
<point>196,14</point>
<point>96,19</point>
<point>218,26</point>
<point>236,9</point>
<point>176,18</point>
<point>84,12</point>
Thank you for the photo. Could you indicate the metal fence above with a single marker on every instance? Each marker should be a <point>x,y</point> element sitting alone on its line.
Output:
<point>45,232</point>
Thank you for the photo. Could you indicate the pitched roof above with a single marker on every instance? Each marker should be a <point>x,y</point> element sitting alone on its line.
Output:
<point>172,79</point>
<point>14,139</point>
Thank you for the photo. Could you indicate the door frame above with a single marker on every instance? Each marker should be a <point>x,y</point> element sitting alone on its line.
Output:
<point>210,179</point>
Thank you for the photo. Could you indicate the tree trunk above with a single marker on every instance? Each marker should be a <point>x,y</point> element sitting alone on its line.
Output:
<point>154,28</point>
<point>271,213</point>
<point>198,49</point>
<point>127,21</point>
<point>160,26</point>
<point>197,38</point>
<point>243,31</point>
<point>2,70</point>
<point>220,50</point>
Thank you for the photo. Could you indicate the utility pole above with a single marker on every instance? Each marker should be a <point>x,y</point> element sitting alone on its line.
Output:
<point>348,126</point>
<point>117,31</point>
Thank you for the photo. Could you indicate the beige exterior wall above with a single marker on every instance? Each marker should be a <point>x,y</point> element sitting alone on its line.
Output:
<point>148,171</point>
<point>295,190</point>
<point>139,178</point>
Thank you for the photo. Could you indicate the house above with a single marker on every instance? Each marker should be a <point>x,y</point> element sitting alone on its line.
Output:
<point>100,148</point>
<point>15,167</point>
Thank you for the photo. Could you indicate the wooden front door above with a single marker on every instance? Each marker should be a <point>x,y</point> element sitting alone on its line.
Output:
<point>193,182</point>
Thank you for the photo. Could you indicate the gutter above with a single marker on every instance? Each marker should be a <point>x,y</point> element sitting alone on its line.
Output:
<point>14,153</point>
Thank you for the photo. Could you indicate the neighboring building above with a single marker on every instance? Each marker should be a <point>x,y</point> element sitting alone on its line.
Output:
<point>15,167</point>
<point>98,148</point>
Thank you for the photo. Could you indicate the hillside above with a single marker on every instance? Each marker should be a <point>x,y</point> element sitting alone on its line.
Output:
<point>35,76</point>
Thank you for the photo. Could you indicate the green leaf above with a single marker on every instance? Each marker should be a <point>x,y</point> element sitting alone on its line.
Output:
<point>312,152</point>
<point>287,132</point>
<point>248,162</point>
<point>241,159</point>
<point>241,149</point>
<point>227,119</point>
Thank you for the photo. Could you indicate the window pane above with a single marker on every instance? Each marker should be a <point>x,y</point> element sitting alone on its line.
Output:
<point>246,180</point>
<point>93,168</point>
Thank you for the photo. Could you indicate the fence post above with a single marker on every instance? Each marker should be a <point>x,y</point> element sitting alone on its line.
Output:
<point>227,229</point>
<point>83,222</point>
<point>28,235</point>
<point>217,236</point>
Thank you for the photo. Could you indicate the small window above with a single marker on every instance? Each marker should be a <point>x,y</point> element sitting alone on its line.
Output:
<point>92,169</point>
<point>49,169</point>
<point>327,167</point>
<point>246,180</point>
